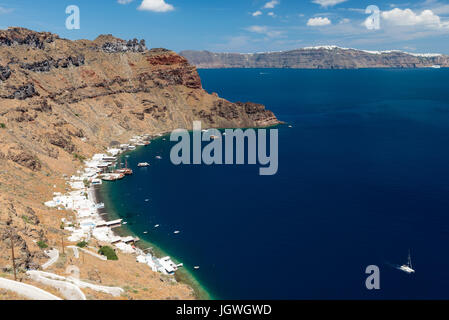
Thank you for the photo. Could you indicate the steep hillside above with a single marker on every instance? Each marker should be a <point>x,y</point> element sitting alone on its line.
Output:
<point>60,102</point>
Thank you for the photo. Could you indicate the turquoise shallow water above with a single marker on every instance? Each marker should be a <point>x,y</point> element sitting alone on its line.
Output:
<point>363,177</point>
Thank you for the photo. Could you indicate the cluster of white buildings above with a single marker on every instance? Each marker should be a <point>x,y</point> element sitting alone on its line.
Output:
<point>163,265</point>
<point>89,222</point>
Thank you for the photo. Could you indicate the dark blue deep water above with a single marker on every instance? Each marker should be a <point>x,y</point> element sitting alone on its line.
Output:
<point>363,177</point>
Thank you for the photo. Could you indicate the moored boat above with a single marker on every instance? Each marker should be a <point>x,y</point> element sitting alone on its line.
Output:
<point>126,171</point>
<point>143,164</point>
<point>112,176</point>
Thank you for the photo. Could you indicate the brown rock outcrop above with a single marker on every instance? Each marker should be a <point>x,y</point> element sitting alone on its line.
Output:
<point>25,159</point>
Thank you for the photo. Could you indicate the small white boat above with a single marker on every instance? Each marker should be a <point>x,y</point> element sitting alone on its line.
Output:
<point>196,267</point>
<point>145,232</point>
<point>407,267</point>
<point>157,226</point>
<point>436,66</point>
<point>177,232</point>
<point>159,157</point>
<point>125,223</point>
<point>143,164</point>
<point>290,126</point>
<point>99,206</point>
<point>147,200</point>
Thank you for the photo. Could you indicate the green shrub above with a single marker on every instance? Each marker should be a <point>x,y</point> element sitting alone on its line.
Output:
<point>42,244</point>
<point>79,157</point>
<point>2,125</point>
<point>82,244</point>
<point>108,252</point>
<point>26,219</point>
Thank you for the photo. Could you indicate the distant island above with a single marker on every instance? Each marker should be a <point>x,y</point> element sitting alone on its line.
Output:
<point>322,57</point>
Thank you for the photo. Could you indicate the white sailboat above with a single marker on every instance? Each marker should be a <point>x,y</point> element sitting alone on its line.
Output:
<point>407,267</point>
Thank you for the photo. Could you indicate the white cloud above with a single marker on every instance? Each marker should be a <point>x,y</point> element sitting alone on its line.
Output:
<point>257,13</point>
<point>436,6</point>
<point>318,22</point>
<point>271,4</point>
<point>156,6</point>
<point>443,9</point>
<point>328,3</point>
<point>264,30</point>
<point>271,14</point>
<point>406,17</point>
<point>124,1</point>
<point>5,10</point>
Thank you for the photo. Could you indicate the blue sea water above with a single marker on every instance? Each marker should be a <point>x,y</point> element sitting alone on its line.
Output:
<point>363,178</point>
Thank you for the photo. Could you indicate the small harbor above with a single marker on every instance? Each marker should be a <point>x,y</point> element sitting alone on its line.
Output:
<point>91,219</point>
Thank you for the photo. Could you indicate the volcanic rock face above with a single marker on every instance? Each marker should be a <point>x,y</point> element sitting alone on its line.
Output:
<point>107,89</point>
<point>21,36</point>
<point>118,45</point>
<point>61,101</point>
<point>315,58</point>
<point>5,73</point>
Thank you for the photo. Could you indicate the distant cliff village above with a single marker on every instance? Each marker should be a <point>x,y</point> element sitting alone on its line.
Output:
<point>322,57</point>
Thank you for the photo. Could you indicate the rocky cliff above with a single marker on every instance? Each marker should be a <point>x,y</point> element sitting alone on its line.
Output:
<point>61,101</point>
<point>326,57</point>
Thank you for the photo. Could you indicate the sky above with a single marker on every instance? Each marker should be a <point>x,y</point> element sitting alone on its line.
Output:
<point>245,25</point>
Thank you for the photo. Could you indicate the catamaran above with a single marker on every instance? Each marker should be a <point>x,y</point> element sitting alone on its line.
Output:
<point>408,267</point>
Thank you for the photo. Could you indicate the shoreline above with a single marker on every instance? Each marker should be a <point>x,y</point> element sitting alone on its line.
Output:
<point>109,214</point>
<point>91,221</point>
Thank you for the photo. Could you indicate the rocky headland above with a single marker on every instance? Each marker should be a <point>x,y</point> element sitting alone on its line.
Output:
<point>61,101</point>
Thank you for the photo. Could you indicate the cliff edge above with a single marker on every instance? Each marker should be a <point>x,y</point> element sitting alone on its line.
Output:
<point>62,101</point>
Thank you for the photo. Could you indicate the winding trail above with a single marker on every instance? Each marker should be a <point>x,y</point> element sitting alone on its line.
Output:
<point>98,256</point>
<point>67,289</point>
<point>26,290</point>
<point>54,256</point>
<point>67,284</point>
<point>76,252</point>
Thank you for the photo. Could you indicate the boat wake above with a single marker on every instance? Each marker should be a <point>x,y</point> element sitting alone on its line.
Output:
<point>407,268</point>
<point>393,265</point>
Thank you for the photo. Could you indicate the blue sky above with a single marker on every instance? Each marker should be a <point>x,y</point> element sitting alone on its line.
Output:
<point>244,25</point>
